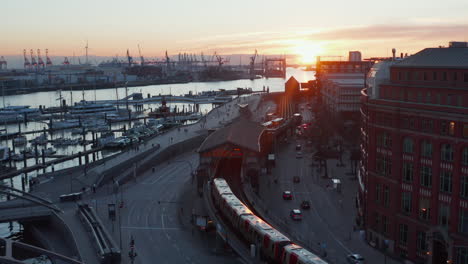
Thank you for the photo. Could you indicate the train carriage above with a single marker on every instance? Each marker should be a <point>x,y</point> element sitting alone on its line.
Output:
<point>294,254</point>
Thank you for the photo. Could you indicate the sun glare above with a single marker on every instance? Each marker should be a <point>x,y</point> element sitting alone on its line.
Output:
<point>308,52</point>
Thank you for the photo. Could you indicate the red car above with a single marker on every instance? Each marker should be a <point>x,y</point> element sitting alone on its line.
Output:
<point>287,195</point>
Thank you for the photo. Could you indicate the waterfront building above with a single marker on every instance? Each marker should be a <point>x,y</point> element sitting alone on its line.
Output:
<point>413,195</point>
<point>340,84</point>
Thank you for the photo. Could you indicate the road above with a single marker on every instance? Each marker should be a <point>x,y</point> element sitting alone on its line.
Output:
<point>153,215</point>
<point>326,228</point>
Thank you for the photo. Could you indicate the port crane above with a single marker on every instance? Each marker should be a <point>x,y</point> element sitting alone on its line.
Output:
<point>142,60</point>
<point>66,61</point>
<point>27,64</point>
<point>48,61</point>
<point>252,63</point>
<point>33,59</point>
<point>129,58</point>
<point>3,62</point>
<point>40,62</point>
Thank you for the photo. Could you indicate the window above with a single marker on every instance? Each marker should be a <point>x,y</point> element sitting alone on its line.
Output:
<point>464,187</point>
<point>384,140</point>
<point>383,165</point>
<point>463,224</point>
<point>403,234</point>
<point>426,176</point>
<point>428,98</point>
<point>407,172</point>
<point>427,125</point>
<point>426,149</point>
<point>378,190</point>
<point>449,99</point>
<point>444,215</point>
<point>455,76</point>
<point>386,197</point>
<point>451,128</point>
<point>465,156</point>
<point>408,76</point>
<point>438,99</point>
<point>407,145</point>
<point>406,202</point>
<point>400,76</point>
<point>411,123</point>
<point>384,225</point>
<point>446,152</point>
<point>462,256</point>
<point>421,241</point>
<point>416,75</point>
<point>445,181</point>
<point>465,130</point>
<point>459,101</point>
<point>425,76</point>
<point>434,76</point>
<point>405,123</point>
<point>465,77</point>
<point>444,76</point>
<point>425,209</point>
<point>402,95</point>
<point>443,127</point>
<point>377,221</point>
<point>410,96</point>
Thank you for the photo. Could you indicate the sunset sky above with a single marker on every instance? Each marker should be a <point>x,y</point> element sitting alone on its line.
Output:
<point>298,27</point>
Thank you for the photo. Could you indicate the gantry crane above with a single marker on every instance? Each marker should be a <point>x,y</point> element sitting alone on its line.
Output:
<point>129,58</point>
<point>27,64</point>
<point>40,62</point>
<point>33,59</point>
<point>142,60</point>
<point>48,61</point>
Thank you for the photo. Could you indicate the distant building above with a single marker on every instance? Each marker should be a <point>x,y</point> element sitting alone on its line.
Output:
<point>355,56</point>
<point>413,195</point>
<point>340,84</point>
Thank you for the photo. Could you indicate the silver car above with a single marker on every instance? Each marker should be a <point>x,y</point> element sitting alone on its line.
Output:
<point>355,259</point>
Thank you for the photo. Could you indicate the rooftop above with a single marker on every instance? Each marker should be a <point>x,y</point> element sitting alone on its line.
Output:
<point>242,133</point>
<point>437,58</point>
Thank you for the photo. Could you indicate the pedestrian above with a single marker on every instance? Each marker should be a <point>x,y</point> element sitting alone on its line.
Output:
<point>94,188</point>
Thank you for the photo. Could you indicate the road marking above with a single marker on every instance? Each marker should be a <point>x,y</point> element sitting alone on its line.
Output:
<point>150,228</point>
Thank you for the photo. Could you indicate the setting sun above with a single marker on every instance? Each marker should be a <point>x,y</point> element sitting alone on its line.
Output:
<point>308,52</point>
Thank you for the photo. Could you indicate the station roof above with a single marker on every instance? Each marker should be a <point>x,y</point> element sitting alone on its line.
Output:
<point>242,133</point>
<point>437,58</point>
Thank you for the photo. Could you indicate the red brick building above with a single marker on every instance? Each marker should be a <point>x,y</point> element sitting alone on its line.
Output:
<point>413,195</point>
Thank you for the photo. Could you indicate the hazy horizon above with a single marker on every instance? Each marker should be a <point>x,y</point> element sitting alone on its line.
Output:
<point>301,28</point>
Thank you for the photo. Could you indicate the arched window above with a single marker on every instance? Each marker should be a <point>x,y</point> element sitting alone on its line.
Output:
<point>408,145</point>
<point>446,152</point>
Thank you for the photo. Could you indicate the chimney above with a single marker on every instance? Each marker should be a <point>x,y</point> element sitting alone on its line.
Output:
<point>393,53</point>
<point>401,55</point>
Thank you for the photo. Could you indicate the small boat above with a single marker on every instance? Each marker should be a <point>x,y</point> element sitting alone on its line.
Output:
<point>40,140</point>
<point>106,138</point>
<point>77,131</point>
<point>49,151</point>
<point>65,142</point>
<point>20,141</point>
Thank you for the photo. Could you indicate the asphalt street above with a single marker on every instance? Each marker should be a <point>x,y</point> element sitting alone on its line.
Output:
<point>327,227</point>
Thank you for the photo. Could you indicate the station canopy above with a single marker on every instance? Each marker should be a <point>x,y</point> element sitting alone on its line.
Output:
<point>241,132</point>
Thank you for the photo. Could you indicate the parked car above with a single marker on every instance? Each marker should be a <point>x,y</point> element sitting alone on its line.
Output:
<point>296,214</point>
<point>305,205</point>
<point>298,147</point>
<point>299,155</point>
<point>355,259</point>
<point>287,195</point>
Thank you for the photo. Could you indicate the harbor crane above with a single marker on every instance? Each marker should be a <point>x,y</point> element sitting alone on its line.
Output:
<point>142,60</point>
<point>86,48</point>
<point>2,63</point>
<point>220,59</point>
<point>40,62</point>
<point>66,61</point>
<point>252,63</point>
<point>48,61</point>
<point>33,59</point>
<point>27,64</point>
<point>129,58</point>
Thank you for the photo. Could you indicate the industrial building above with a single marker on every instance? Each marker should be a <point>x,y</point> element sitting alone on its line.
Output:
<point>413,196</point>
